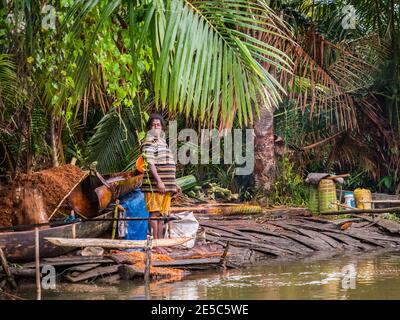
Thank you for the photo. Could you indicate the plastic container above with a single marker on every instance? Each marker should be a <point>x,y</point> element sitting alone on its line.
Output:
<point>349,200</point>
<point>361,195</point>
<point>327,195</point>
<point>135,207</point>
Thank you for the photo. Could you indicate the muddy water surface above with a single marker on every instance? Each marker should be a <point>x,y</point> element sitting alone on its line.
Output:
<point>377,276</point>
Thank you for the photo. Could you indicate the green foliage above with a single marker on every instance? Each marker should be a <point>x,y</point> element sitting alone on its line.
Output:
<point>115,137</point>
<point>110,62</point>
<point>38,129</point>
<point>289,187</point>
<point>10,94</point>
<point>392,216</point>
<point>203,57</point>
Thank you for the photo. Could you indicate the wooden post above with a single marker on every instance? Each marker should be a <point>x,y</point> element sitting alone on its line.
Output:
<point>203,235</point>
<point>73,225</point>
<point>169,226</point>
<point>37,265</point>
<point>148,258</point>
<point>6,269</point>
<point>147,290</point>
<point>223,257</point>
<point>115,223</point>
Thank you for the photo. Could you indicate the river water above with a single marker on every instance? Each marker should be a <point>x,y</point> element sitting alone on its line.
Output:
<point>364,276</point>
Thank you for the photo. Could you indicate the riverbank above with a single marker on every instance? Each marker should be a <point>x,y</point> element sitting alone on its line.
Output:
<point>377,277</point>
<point>232,242</point>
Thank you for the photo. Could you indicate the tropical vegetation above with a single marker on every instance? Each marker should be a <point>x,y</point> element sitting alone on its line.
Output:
<point>317,80</point>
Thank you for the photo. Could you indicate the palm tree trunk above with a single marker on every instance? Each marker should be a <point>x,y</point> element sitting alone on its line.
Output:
<point>28,143</point>
<point>264,150</point>
<point>54,155</point>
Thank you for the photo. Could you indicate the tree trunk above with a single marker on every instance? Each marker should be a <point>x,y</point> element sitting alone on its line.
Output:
<point>28,143</point>
<point>264,150</point>
<point>54,155</point>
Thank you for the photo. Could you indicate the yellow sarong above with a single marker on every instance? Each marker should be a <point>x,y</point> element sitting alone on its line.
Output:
<point>156,201</point>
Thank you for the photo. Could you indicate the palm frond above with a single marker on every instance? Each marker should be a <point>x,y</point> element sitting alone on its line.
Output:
<point>10,94</point>
<point>206,63</point>
<point>115,137</point>
<point>205,55</point>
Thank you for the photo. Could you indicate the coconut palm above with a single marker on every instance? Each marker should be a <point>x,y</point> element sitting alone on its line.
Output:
<point>357,71</point>
<point>206,61</point>
<point>10,97</point>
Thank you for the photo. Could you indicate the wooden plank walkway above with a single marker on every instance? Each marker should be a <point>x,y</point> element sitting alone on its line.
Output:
<point>295,236</point>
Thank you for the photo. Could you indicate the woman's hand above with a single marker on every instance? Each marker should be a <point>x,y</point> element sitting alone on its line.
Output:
<point>178,189</point>
<point>161,186</point>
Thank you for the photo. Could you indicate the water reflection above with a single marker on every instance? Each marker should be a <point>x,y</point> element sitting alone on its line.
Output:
<point>377,277</point>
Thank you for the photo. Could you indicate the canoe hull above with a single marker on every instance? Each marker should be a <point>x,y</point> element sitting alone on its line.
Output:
<point>20,246</point>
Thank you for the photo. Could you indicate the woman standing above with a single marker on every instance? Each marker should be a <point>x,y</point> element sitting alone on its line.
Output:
<point>159,182</point>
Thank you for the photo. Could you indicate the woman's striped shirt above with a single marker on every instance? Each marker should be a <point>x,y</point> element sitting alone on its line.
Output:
<point>155,150</point>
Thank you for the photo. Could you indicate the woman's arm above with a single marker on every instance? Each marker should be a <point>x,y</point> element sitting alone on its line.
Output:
<point>160,184</point>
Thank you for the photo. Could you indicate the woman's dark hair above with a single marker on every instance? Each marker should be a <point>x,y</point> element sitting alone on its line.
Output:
<point>155,116</point>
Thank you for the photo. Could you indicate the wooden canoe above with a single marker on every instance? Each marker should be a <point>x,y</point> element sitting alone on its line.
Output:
<point>19,246</point>
<point>116,244</point>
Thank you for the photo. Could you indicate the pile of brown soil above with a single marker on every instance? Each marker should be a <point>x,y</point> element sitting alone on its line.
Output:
<point>53,183</point>
<point>6,206</point>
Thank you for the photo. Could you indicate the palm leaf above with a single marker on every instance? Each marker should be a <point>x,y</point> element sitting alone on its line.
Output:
<point>204,55</point>
<point>205,49</point>
<point>10,94</point>
<point>115,137</point>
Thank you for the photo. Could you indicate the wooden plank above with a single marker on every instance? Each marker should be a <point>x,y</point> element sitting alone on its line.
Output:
<point>228,230</point>
<point>285,243</point>
<point>282,241</point>
<point>226,234</point>
<point>20,246</point>
<point>260,231</point>
<point>357,211</point>
<point>307,240</point>
<point>23,272</point>
<point>128,272</point>
<point>317,235</point>
<point>380,201</point>
<point>304,240</point>
<point>390,226</point>
<point>249,245</point>
<point>372,235</point>
<point>348,233</point>
<point>77,260</point>
<point>110,280</point>
<point>186,262</point>
<point>288,243</point>
<point>347,240</point>
<point>84,267</point>
<point>93,273</point>
<point>273,249</point>
<point>118,244</point>
<point>314,219</point>
<point>359,225</point>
